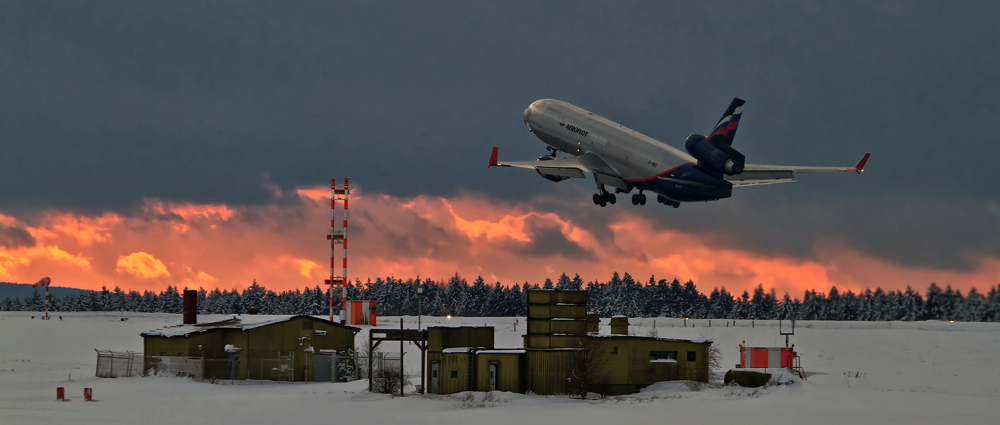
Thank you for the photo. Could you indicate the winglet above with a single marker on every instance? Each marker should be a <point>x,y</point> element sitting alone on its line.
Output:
<point>861,164</point>
<point>493,158</point>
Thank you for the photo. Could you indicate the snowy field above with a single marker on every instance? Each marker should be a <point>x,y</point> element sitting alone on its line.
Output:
<point>860,373</point>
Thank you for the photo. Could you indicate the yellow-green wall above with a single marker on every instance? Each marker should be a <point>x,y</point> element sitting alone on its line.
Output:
<point>508,371</point>
<point>264,342</point>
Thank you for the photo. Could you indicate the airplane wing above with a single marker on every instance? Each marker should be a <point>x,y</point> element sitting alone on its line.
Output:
<point>570,167</point>
<point>756,175</point>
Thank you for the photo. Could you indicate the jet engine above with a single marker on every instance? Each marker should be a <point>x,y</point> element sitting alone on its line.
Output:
<point>718,157</point>
<point>550,177</point>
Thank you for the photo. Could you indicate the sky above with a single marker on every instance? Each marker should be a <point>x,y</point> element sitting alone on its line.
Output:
<point>192,144</point>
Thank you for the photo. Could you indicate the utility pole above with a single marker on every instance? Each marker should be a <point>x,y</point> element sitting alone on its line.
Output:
<point>420,297</point>
<point>402,375</point>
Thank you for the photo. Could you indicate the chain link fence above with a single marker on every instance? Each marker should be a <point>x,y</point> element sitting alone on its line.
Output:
<point>193,367</point>
<point>116,364</point>
<point>291,367</point>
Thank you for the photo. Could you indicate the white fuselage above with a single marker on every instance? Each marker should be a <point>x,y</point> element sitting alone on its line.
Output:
<point>568,128</point>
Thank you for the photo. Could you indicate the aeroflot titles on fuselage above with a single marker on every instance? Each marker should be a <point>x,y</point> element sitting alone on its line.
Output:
<point>576,129</point>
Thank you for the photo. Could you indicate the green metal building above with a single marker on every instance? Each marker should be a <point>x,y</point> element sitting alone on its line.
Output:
<point>562,344</point>
<point>254,344</point>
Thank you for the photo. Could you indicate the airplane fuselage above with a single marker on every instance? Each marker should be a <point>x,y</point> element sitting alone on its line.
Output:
<point>643,162</point>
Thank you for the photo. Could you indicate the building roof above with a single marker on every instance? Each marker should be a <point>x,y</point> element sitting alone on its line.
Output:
<point>243,323</point>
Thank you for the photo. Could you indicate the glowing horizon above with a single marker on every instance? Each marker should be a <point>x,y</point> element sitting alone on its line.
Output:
<point>282,246</point>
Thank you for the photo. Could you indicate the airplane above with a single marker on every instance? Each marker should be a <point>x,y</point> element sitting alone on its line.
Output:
<point>627,160</point>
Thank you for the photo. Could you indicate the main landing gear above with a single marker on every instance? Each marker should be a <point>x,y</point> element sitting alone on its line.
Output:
<point>639,199</point>
<point>663,200</point>
<point>604,198</point>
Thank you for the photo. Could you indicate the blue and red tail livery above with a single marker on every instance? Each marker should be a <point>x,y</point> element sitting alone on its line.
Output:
<point>726,128</point>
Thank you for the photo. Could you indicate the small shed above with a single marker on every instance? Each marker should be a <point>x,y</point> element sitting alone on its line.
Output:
<point>500,370</point>
<point>451,357</point>
<point>625,364</point>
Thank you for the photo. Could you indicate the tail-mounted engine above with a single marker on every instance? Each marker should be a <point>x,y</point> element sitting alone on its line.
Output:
<point>715,157</point>
<point>556,179</point>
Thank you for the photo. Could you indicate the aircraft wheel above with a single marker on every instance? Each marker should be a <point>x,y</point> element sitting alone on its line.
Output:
<point>603,203</point>
<point>676,204</point>
<point>597,199</point>
<point>635,199</point>
<point>661,199</point>
<point>642,199</point>
<point>612,199</point>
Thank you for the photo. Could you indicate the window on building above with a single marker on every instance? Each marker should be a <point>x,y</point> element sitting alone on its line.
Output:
<point>663,355</point>
<point>454,374</point>
<point>614,350</point>
<point>180,354</point>
<point>163,353</point>
<point>692,355</point>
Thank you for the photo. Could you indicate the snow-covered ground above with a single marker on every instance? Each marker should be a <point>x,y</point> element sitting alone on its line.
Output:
<point>860,373</point>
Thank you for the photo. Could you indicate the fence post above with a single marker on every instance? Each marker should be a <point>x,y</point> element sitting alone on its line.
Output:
<point>370,355</point>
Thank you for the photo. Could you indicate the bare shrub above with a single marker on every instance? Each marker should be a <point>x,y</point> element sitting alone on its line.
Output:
<point>591,355</point>
<point>388,380</point>
<point>715,357</point>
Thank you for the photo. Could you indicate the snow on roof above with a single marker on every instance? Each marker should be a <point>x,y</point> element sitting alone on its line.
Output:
<point>245,322</point>
<point>696,341</point>
<point>458,350</point>
<point>500,352</point>
<point>663,361</point>
<point>617,316</point>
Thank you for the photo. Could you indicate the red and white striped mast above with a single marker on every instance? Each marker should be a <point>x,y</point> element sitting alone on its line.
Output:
<point>44,282</point>
<point>338,234</point>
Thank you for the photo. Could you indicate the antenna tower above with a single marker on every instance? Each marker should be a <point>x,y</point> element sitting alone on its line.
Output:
<point>338,235</point>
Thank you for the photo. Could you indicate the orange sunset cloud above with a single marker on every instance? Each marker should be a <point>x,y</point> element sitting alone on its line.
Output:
<point>283,246</point>
<point>141,264</point>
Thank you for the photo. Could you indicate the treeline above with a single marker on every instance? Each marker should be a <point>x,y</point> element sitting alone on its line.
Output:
<point>620,295</point>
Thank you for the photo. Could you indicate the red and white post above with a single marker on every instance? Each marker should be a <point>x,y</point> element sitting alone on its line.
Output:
<point>338,234</point>
<point>44,282</point>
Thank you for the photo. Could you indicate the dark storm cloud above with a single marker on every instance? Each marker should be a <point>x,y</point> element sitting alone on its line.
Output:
<point>104,104</point>
<point>548,240</point>
<point>14,237</point>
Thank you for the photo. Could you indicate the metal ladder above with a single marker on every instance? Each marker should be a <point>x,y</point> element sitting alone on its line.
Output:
<point>470,376</point>
<point>798,366</point>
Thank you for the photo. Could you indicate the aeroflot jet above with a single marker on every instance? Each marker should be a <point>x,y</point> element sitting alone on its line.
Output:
<point>626,160</point>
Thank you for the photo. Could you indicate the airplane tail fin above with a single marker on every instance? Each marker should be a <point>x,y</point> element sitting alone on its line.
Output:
<point>726,127</point>
<point>493,158</point>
